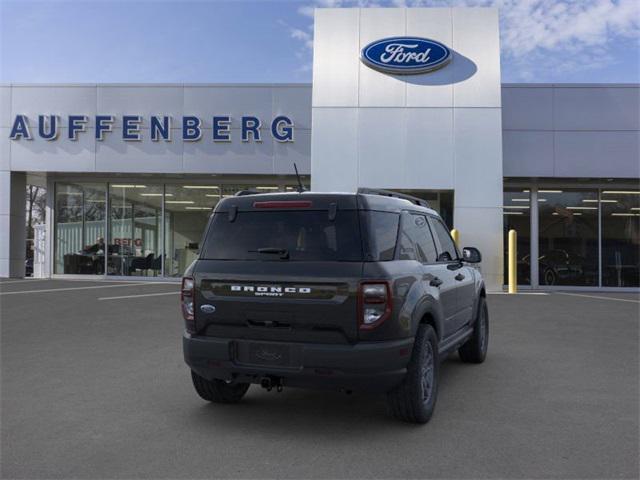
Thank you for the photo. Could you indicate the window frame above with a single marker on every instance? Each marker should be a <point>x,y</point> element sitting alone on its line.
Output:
<point>440,249</point>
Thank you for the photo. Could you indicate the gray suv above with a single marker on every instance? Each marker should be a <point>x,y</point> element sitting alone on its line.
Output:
<point>363,291</point>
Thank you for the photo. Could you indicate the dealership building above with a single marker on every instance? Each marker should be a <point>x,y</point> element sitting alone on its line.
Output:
<point>133,170</point>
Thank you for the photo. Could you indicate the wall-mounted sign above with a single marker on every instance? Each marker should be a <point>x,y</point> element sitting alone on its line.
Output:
<point>158,127</point>
<point>405,55</point>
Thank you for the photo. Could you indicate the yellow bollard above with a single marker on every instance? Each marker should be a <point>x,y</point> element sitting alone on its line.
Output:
<point>455,234</point>
<point>513,273</point>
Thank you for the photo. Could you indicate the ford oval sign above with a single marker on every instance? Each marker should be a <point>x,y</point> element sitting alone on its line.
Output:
<point>405,55</point>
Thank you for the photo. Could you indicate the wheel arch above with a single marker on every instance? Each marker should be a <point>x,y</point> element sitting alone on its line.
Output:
<point>429,319</point>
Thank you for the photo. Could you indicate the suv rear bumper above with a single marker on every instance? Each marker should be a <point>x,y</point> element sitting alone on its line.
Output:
<point>365,366</point>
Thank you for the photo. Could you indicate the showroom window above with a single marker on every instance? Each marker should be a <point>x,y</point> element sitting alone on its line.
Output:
<point>620,238</point>
<point>187,209</point>
<point>568,237</point>
<point>440,201</point>
<point>79,228</point>
<point>517,216</point>
<point>143,221</point>
<point>135,216</point>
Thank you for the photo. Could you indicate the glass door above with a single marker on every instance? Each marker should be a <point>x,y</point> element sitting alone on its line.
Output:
<point>135,216</point>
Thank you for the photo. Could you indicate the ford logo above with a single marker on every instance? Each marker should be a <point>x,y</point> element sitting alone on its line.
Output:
<point>206,308</point>
<point>405,55</point>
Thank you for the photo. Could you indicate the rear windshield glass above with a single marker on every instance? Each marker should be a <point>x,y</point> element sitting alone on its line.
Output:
<point>284,235</point>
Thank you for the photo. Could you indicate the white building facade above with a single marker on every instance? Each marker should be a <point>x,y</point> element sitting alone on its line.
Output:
<point>399,131</point>
<point>133,170</point>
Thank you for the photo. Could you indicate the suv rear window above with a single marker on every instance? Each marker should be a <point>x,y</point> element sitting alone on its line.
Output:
<point>303,235</point>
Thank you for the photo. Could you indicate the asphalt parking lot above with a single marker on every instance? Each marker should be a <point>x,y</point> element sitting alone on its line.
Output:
<point>95,387</point>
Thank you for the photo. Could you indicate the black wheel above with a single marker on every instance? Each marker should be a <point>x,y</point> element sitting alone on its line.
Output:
<point>415,398</point>
<point>218,391</point>
<point>475,349</point>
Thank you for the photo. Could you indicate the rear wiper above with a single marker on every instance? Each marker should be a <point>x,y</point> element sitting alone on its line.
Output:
<point>283,252</point>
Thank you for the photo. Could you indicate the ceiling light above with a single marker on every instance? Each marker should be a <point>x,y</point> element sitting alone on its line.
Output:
<point>525,191</point>
<point>180,201</point>
<point>513,213</point>
<point>267,188</point>
<point>549,191</point>
<point>201,187</point>
<point>634,208</point>
<point>197,208</point>
<point>622,192</point>
<point>519,199</point>
<point>581,208</point>
<point>156,194</point>
<point>515,206</point>
<point>576,213</point>
<point>625,214</point>
<point>212,195</point>
<point>129,186</point>
<point>589,200</point>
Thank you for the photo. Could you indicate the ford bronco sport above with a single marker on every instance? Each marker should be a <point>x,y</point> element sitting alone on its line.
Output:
<point>363,291</point>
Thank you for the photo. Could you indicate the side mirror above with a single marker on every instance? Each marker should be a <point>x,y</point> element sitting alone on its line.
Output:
<point>471,255</point>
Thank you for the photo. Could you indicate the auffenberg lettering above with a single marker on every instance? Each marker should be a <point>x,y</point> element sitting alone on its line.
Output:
<point>218,128</point>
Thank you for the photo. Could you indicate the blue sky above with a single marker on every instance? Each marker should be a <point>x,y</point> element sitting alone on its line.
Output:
<point>271,41</point>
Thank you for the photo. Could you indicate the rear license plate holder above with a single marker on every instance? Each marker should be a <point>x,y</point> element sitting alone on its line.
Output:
<point>264,354</point>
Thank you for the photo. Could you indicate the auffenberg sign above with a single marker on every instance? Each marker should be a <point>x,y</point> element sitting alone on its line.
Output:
<point>49,127</point>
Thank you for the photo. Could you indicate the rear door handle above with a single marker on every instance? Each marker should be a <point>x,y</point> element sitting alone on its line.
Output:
<point>435,282</point>
<point>459,277</point>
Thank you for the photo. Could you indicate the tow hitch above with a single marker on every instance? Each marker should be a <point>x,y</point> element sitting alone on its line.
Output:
<point>270,382</point>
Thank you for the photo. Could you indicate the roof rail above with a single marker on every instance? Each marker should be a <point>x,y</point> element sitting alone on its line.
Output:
<point>242,193</point>
<point>389,193</point>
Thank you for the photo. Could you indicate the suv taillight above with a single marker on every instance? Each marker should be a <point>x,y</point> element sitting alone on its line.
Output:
<point>186,302</point>
<point>374,304</point>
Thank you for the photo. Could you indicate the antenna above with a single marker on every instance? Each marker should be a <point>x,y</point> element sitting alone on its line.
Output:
<point>300,186</point>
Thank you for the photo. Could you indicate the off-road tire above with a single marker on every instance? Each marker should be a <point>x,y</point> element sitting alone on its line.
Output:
<point>408,401</point>
<point>474,350</point>
<point>219,391</point>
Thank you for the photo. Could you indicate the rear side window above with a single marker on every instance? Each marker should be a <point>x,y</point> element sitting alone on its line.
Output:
<point>381,233</point>
<point>447,248</point>
<point>416,242</point>
<point>267,235</point>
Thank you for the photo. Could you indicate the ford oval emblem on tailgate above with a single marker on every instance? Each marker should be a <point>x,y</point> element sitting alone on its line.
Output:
<point>206,308</point>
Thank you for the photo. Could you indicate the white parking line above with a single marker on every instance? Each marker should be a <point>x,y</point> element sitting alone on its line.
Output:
<point>47,290</point>
<point>25,280</point>
<point>599,297</point>
<point>138,296</point>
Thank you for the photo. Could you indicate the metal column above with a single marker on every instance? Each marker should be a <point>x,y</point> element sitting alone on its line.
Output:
<point>534,237</point>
